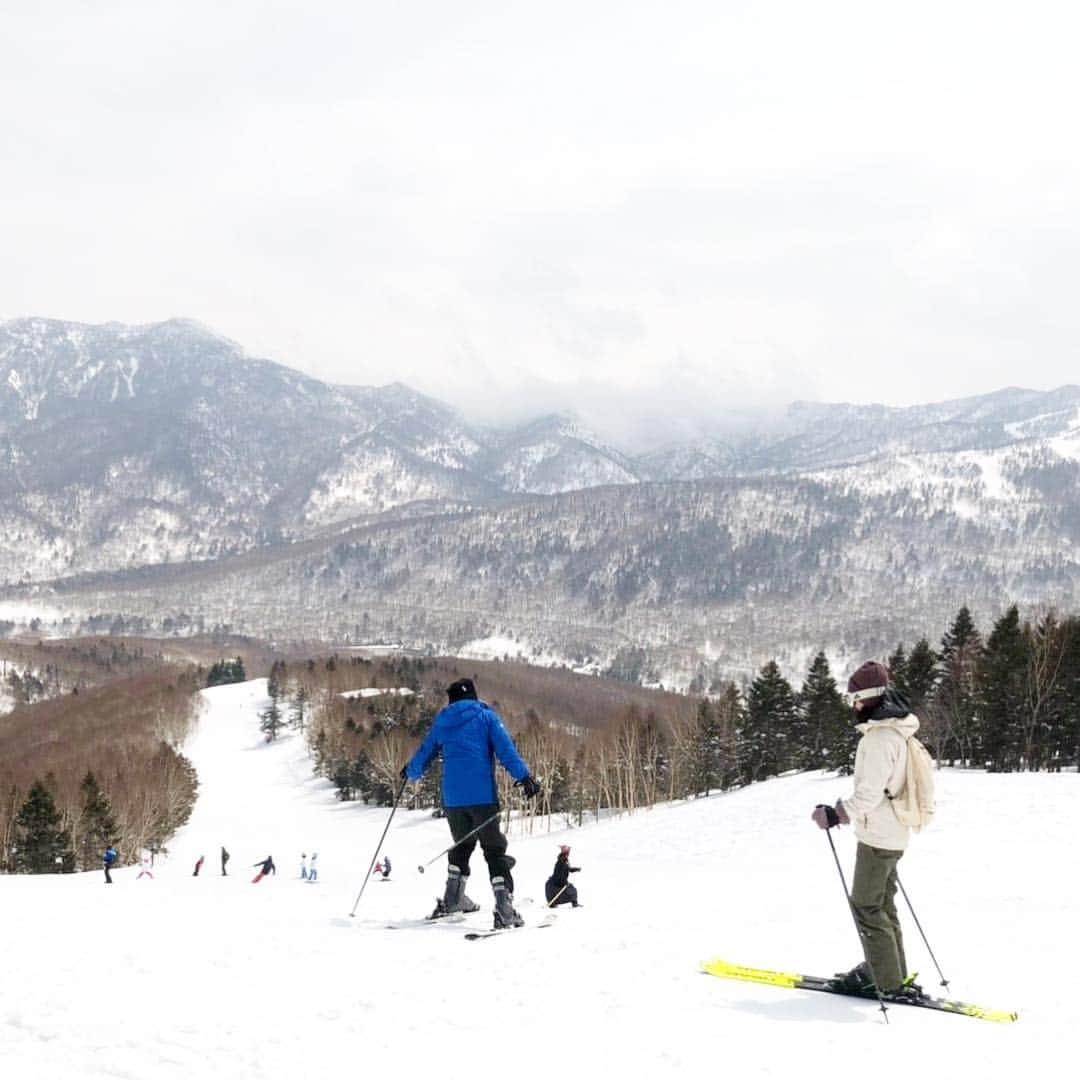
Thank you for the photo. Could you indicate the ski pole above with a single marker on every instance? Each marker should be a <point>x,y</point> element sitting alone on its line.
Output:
<point>367,876</point>
<point>461,840</point>
<point>944,981</point>
<point>551,902</point>
<point>851,908</point>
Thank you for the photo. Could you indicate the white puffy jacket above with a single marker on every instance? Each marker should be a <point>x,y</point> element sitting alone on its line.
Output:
<point>880,763</point>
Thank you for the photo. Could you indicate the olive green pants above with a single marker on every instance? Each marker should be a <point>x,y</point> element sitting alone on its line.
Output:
<point>873,901</point>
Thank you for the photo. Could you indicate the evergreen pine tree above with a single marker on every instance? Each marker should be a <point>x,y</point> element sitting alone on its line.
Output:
<point>827,719</point>
<point>730,714</point>
<point>1002,672</point>
<point>706,755</point>
<point>897,665</point>
<point>97,824</point>
<point>299,708</point>
<point>1066,707</point>
<point>952,713</point>
<point>771,715</point>
<point>920,675</point>
<point>275,684</point>
<point>42,844</point>
<point>271,721</point>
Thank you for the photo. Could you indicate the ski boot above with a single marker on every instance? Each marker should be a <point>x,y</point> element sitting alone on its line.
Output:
<point>505,915</point>
<point>908,991</point>
<point>454,899</point>
<point>856,981</point>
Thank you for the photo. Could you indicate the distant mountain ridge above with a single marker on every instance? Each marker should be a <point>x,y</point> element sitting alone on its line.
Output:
<point>157,456</point>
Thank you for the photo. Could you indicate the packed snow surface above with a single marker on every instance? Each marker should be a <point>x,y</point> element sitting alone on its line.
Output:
<point>188,977</point>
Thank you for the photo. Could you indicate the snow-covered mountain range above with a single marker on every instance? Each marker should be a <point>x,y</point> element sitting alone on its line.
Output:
<point>160,475</point>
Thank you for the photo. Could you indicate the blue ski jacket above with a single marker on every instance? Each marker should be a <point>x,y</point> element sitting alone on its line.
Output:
<point>470,735</point>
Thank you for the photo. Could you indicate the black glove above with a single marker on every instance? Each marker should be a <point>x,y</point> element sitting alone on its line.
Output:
<point>825,817</point>
<point>404,774</point>
<point>529,787</point>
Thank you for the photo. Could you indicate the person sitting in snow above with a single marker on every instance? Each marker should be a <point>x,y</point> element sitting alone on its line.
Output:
<point>557,888</point>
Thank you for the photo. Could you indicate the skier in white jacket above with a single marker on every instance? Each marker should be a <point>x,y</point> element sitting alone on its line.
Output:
<point>880,772</point>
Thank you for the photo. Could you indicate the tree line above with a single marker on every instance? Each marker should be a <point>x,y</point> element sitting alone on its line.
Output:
<point>1007,702</point>
<point>96,766</point>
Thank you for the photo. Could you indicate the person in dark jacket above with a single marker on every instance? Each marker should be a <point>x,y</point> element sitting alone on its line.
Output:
<point>265,867</point>
<point>557,888</point>
<point>108,860</point>
<point>224,861</point>
<point>470,736</point>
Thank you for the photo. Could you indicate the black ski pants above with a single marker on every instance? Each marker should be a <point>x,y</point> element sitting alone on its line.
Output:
<point>463,820</point>
<point>559,894</point>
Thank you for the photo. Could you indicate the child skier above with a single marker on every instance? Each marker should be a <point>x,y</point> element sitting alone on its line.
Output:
<point>557,888</point>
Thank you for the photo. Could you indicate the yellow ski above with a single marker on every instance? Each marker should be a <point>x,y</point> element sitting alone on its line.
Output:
<point>726,970</point>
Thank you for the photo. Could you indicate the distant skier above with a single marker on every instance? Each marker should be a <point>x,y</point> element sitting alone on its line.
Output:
<point>382,869</point>
<point>303,866</point>
<point>557,888</point>
<point>265,867</point>
<point>313,873</point>
<point>108,860</point>
<point>470,736</point>
<point>198,865</point>
<point>224,861</point>
<point>144,867</point>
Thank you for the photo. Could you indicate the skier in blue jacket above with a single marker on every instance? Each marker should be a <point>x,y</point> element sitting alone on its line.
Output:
<point>470,736</point>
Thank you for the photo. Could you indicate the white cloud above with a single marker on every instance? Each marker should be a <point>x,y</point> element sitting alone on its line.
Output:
<point>645,210</point>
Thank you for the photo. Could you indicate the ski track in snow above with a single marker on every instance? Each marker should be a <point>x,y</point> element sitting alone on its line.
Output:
<point>185,977</point>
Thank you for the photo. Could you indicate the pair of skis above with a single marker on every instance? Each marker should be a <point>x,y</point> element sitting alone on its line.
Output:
<point>790,981</point>
<point>458,918</point>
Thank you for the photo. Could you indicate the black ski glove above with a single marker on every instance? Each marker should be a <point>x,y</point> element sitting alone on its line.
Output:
<point>825,817</point>
<point>529,787</point>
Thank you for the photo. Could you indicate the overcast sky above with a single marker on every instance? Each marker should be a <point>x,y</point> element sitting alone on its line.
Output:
<point>654,212</point>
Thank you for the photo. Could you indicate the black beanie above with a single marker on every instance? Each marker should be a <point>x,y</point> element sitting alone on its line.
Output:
<point>461,689</point>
